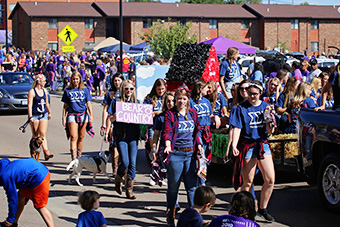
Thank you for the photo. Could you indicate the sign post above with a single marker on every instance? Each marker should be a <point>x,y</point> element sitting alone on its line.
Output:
<point>68,35</point>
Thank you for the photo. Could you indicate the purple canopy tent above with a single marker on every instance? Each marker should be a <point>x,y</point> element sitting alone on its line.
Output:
<point>222,44</point>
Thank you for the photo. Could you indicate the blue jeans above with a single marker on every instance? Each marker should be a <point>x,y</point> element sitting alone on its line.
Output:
<point>128,156</point>
<point>182,164</point>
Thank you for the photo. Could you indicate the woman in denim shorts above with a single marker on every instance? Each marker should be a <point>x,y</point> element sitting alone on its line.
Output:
<point>39,111</point>
<point>77,113</point>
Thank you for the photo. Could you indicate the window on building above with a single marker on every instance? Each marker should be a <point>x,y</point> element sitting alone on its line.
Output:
<point>147,22</point>
<point>1,15</point>
<point>183,21</point>
<point>11,6</point>
<point>314,46</point>
<point>89,23</point>
<point>294,24</point>
<point>53,23</point>
<point>88,43</point>
<point>53,45</point>
<point>314,24</point>
<point>244,24</point>
<point>213,24</point>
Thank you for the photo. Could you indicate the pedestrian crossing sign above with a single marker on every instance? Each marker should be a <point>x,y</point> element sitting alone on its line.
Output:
<point>67,35</point>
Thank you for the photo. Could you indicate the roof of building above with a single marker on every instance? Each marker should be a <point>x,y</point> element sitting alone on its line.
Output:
<point>57,9</point>
<point>294,11</point>
<point>164,10</point>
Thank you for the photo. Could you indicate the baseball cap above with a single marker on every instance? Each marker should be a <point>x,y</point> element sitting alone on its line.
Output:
<point>313,61</point>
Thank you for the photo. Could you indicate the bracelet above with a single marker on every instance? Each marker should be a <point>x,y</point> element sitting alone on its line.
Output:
<point>153,150</point>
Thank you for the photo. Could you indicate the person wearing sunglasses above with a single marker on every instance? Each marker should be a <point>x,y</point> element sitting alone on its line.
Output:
<point>126,137</point>
<point>250,146</point>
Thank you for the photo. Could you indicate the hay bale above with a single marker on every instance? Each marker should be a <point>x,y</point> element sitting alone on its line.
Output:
<point>291,148</point>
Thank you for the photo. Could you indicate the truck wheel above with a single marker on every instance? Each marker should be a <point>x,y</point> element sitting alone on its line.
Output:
<point>329,182</point>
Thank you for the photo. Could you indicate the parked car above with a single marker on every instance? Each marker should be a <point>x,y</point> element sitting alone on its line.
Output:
<point>14,87</point>
<point>319,153</point>
<point>326,64</point>
<point>245,62</point>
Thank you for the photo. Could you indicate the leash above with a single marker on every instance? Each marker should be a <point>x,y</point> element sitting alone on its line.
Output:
<point>24,126</point>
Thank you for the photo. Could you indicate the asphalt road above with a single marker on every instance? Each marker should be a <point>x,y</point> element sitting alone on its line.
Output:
<point>294,203</point>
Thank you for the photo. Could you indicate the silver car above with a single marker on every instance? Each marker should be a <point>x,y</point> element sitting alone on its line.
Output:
<point>14,88</point>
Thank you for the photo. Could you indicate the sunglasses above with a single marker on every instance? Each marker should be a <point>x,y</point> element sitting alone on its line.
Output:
<point>129,88</point>
<point>244,88</point>
<point>253,94</point>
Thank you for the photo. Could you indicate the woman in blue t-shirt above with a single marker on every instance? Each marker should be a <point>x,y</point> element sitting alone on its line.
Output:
<point>251,148</point>
<point>158,142</point>
<point>273,91</point>
<point>39,111</point>
<point>230,72</point>
<point>181,146</point>
<point>155,99</point>
<point>218,102</point>
<point>77,113</point>
<point>258,73</point>
<point>116,81</point>
<point>126,138</point>
<point>301,99</point>
<point>205,116</point>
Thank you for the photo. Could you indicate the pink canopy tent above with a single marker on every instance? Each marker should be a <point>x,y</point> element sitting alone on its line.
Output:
<point>222,44</point>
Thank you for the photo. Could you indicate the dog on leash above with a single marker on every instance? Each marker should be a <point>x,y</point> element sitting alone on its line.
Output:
<point>35,147</point>
<point>95,164</point>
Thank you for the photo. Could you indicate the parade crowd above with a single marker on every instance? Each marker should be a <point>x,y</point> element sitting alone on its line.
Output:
<point>180,136</point>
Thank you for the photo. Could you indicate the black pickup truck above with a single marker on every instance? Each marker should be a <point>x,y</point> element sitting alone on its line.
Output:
<point>319,153</point>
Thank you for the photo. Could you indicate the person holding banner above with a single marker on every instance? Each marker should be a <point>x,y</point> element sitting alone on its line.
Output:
<point>181,145</point>
<point>77,113</point>
<point>155,98</point>
<point>126,137</point>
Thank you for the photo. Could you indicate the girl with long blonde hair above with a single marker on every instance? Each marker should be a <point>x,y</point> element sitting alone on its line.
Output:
<point>126,137</point>
<point>39,111</point>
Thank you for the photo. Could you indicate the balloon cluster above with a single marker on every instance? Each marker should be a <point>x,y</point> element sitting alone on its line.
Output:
<point>188,63</point>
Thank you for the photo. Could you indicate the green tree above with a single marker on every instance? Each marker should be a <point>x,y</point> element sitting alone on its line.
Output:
<point>163,40</point>
<point>304,3</point>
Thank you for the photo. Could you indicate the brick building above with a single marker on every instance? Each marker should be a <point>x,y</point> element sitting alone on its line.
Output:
<point>295,27</point>
<point>11,5</point>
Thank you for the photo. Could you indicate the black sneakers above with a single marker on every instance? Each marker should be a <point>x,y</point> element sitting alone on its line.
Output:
<point>264,213</point>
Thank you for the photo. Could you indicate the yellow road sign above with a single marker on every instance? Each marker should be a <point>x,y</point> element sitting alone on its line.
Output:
<point>67,35</point>
<point>66,49</point>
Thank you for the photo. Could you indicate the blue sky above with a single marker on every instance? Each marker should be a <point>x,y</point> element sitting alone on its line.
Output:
<point>296,2</point>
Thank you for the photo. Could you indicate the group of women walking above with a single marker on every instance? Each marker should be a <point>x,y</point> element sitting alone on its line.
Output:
<point>182,123</point>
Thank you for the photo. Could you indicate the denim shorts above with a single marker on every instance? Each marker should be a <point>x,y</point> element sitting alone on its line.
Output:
<point>72,118</point>
<point>251,154</point>
<point>39,117</point>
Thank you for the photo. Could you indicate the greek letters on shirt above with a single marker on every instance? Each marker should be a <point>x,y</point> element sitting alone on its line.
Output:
<point>186,126</point>
<point>256,119</point>
<point>77,96</point>
<point>202,109</point>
